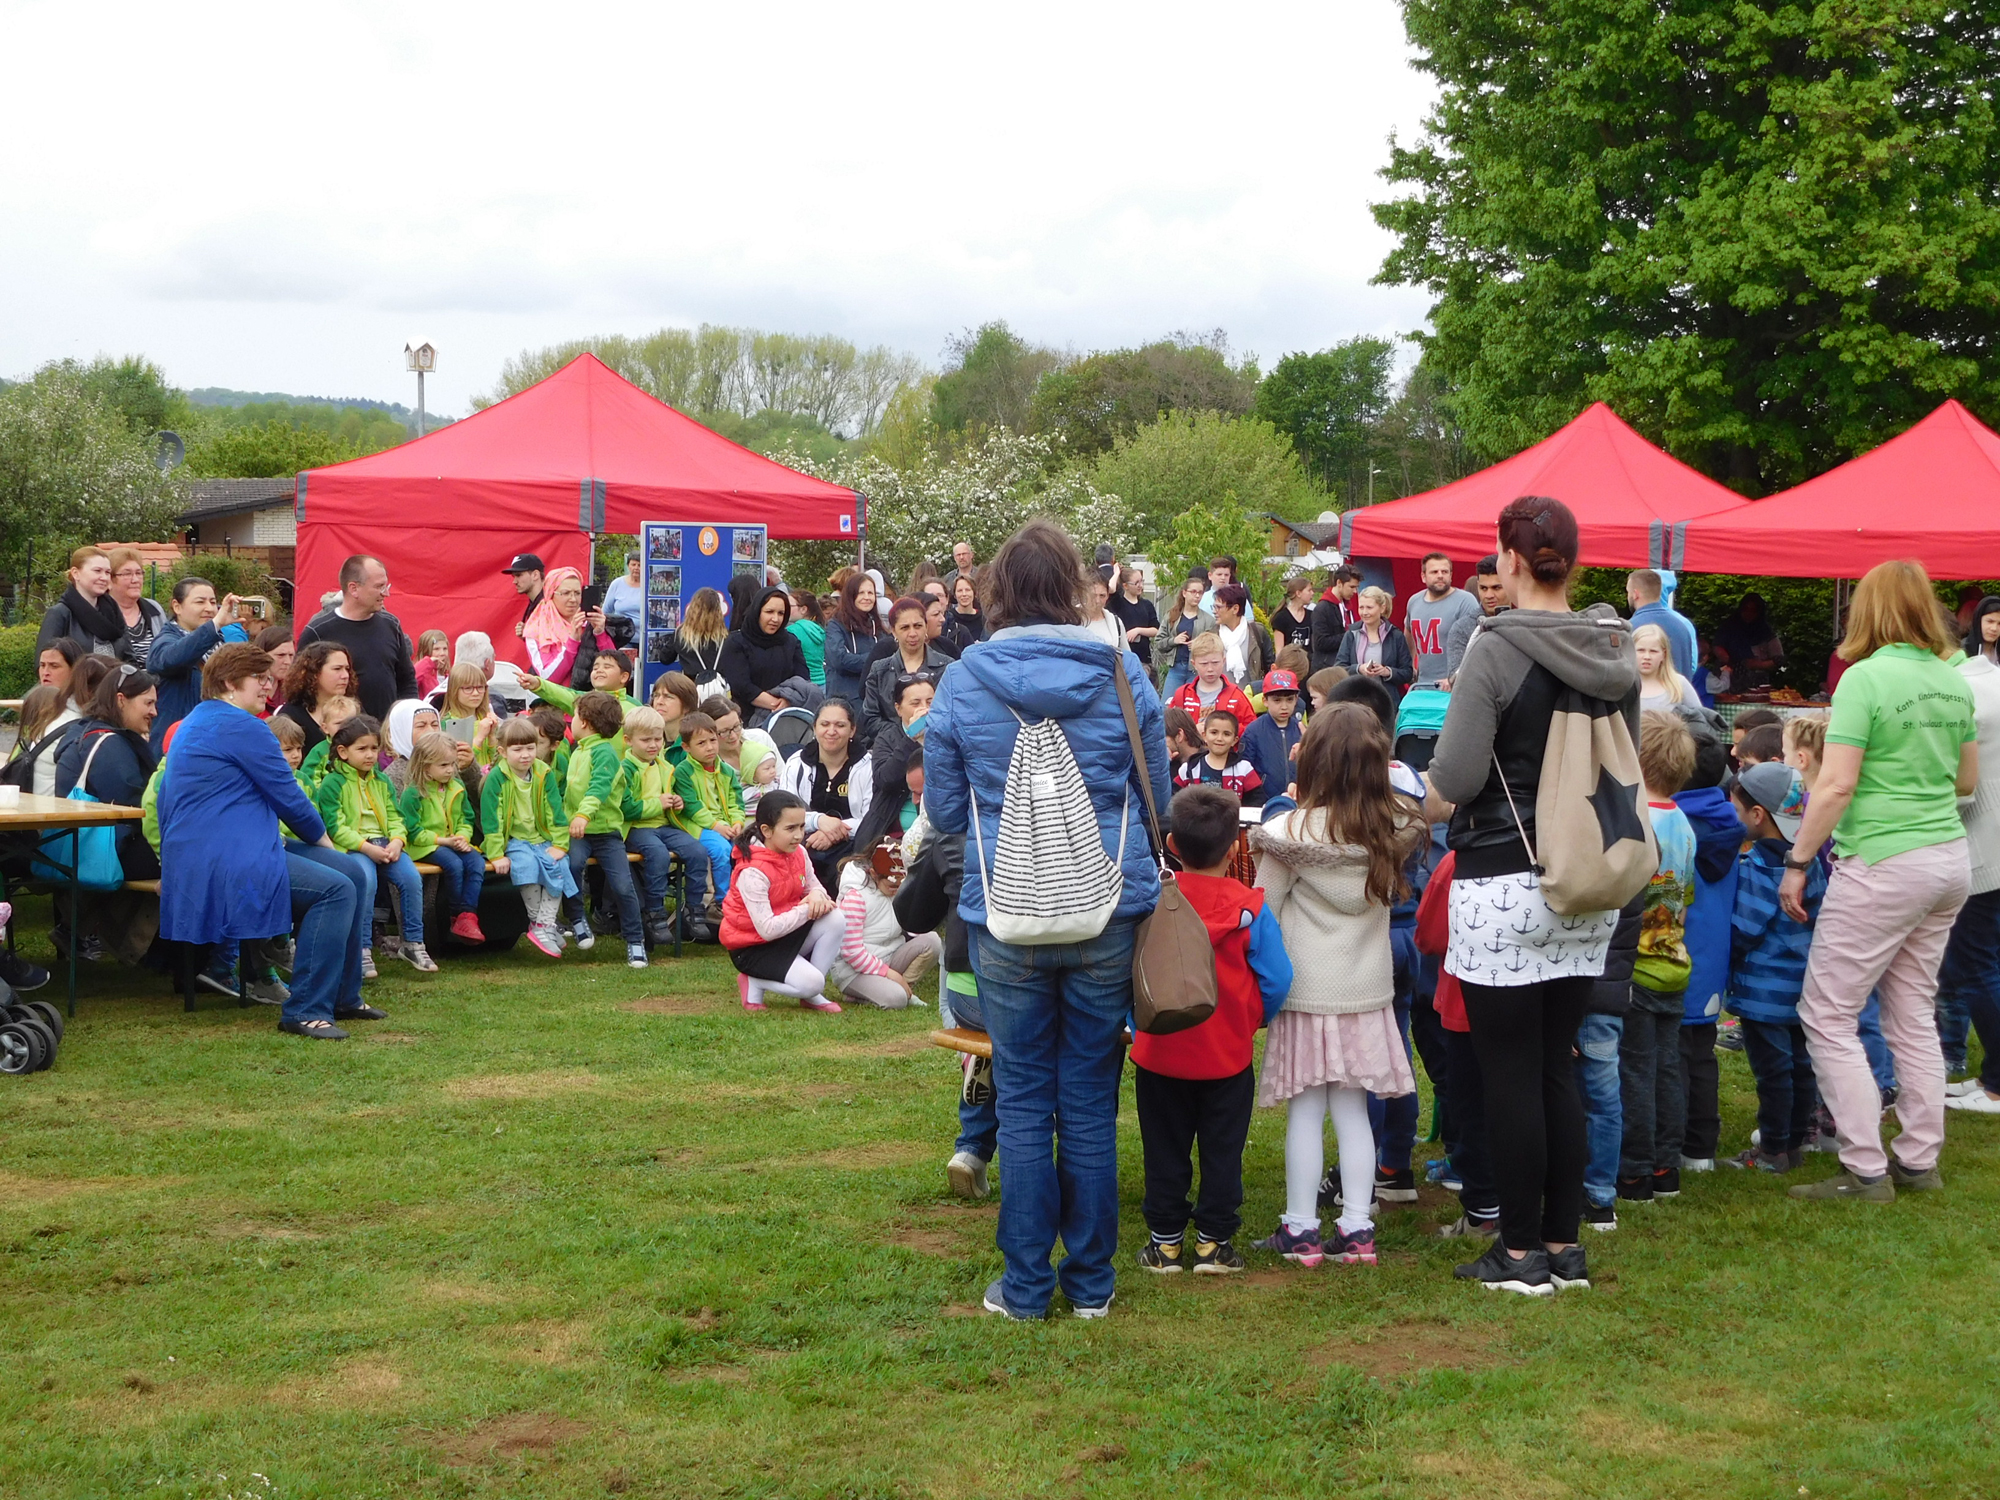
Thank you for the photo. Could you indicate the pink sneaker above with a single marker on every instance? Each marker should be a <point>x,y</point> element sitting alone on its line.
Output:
<point>1301,1249</point>
<point>1357,1249</point>
<point>544,941</point>
<point>821,1003</point>
<point>743,989</point>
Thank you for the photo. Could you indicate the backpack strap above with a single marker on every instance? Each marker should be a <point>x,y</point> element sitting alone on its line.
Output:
<point>1130,709</point>
<point>1534,860</point>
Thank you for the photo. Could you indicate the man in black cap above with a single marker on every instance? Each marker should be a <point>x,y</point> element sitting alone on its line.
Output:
<point>527,570</point>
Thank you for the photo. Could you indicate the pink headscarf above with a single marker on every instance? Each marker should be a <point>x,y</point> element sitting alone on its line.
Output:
<point>546,625</point>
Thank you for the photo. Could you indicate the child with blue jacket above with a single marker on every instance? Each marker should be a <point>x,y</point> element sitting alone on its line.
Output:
<point>1767,970</point>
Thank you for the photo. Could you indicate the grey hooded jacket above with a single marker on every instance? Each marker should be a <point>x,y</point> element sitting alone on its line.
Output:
<point>1502,700</point>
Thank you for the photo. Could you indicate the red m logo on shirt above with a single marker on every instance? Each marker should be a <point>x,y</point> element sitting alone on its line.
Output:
<point>1424,638</point>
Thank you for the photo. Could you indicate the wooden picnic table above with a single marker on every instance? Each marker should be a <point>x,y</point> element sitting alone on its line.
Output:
<point>46,815</point>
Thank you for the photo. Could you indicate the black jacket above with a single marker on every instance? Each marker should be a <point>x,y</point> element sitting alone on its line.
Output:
<point>1329,628</point>
<point>878,694</point>
<point>1395,655</point>
<point>754,662</point>
<point>1612,994</point>
<point>928,897</point>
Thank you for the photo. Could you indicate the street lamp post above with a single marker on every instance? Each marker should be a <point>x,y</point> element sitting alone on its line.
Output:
<point>1372,470</point>
<point>421,357</point>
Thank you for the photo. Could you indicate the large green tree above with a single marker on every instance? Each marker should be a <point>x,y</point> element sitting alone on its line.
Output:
<point>1768,233</point>
<point>1090,403</point>
<point>1326,403</point>
<point>990,378</point>
<point>1190,459</point>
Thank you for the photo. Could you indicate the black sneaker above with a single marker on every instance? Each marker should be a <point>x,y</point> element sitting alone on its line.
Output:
<point>977,1089</point>
<point>20,974</point>
<point>1667,1182</point>
<point>1395,1186</point>
<point>1498,1271</point>
<point>1215,1258</point>
<point>1636,1189</point>
<point>1601,1216</point>
<point>1567,1271</point>
<point>1329,1192</point>
<point>1161,1260</point>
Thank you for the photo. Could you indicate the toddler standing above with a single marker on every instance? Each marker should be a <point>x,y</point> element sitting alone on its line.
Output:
<point>520,810</point>
<point>1330,873</point>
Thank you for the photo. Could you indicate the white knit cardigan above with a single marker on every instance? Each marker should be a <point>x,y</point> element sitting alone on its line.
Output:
<point>1336,938</point>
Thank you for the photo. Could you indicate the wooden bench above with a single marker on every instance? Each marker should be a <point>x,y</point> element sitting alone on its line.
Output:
<point>963,1039</point>
<point>679,886</point>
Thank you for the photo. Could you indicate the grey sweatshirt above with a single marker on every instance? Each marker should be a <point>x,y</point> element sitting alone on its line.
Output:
<point>1501,703</point>
<point>1428,622</point>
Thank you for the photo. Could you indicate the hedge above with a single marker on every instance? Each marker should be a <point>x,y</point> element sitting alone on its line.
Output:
<point>17,658</point>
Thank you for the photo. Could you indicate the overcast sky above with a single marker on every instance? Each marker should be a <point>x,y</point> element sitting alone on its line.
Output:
<point>276,197</point>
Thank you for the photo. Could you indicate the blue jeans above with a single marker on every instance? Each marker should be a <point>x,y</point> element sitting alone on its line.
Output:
<point>1055,1014</point>
<point>461,878</point>
<point>656,848</point>
<point>1972,970</point>
<point>609,851</point>
<point>360,872</point>
<point>978,1124</point>
<point>1597,1042</point>
<point>1394,1121</point>
<point>1881,1061</point>
<point>1177,678</point>
<point>401,873</point>
<point>719,851</point>
<point>1787,1095</point>
<point>326,971</point>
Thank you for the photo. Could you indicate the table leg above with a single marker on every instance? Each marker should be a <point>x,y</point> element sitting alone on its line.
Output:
<point>75,910</point>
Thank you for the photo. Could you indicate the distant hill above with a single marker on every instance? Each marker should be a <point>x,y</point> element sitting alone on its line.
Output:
<point>215,395</point>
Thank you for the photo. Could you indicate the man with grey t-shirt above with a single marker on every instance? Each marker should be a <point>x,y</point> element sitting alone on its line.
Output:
<point>1431,615</point>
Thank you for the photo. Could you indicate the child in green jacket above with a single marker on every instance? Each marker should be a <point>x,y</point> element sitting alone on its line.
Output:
<point>650,802</point>
<point>333,712</point>
<point>438,815</point>
<point>526,839</point>
<point>711,796</point>
<point>595,802</point>
<point>360,815</point>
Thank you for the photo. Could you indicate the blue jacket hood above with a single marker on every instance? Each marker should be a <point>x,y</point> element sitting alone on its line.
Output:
<point>1718,831</point>
<point>1038,670</point>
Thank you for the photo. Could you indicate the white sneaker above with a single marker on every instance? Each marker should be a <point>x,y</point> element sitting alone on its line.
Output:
<point>1756,1137</point>
<point>1980,1103</point>
<point>1697,1164</point>
<point>585,938</point>
<point>635,955</point>
<point>1970,1085</point>
<point>967,1174</point>
<point>1102,1310</point>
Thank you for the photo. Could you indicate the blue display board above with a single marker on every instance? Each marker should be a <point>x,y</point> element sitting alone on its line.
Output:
<point>681,559</point>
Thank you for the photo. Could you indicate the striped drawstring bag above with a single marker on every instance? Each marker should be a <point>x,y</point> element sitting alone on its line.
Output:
<point>1050,880</point>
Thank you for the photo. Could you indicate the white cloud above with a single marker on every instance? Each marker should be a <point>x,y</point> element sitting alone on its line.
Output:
<point>275,197</point>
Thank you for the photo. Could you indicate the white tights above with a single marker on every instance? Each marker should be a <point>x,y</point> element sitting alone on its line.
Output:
<point>542,903</point>
<point>1305,1156</point>
<point>806,978</point>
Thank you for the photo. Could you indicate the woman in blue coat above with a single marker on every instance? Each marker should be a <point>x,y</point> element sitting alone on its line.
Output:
<point>1055,1013</point>
<point>199,625</point>
<point>225,873</point>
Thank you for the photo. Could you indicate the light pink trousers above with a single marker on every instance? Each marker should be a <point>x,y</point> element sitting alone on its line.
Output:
<point>1882,927</point>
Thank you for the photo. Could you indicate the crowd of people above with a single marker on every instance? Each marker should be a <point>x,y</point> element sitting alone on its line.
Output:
<point>1377,823</point>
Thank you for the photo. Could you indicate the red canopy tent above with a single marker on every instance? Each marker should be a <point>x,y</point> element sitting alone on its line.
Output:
<point>582,452</point>
<point>1931,493</point>
<point>1630,499</point>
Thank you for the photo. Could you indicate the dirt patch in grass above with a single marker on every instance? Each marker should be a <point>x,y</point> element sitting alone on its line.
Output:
<point>550,1341</point>
<point>964,1310</point>
<point>671,1005</point>
<point>543,1085</point>
<point>1470,1473</point>
<point>366,1382</point>
<point>874,1154</point>
<point>508,1436</point>
<point>1265,1279</point>
<point>927,1241</point>
<point>259,1229</point>
<point>17,1188</point>
<point>1406,1348</point>
<point>903,1044</point>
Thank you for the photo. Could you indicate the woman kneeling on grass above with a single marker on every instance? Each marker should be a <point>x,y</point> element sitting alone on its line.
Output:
<point>781,928</point>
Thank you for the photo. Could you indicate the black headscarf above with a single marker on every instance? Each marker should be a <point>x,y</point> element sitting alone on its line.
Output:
<point>103,619</point>
<point>751,622</point>
<point>1973,644</point>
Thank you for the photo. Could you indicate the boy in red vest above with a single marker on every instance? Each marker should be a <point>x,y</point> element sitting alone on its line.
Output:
<point>1198,1086</point>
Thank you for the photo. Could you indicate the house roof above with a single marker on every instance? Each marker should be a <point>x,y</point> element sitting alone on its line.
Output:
<point>222,497</point>
<point>1319,533</point>
<point>159,554</point>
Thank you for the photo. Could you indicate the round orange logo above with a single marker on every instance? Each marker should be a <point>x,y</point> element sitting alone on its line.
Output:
<point>708,541</point>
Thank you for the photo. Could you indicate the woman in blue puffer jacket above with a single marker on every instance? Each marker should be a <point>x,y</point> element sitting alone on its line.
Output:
<point>1055,1013</point>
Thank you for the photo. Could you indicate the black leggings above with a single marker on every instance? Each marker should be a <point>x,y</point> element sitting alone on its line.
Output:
<point>1525,1038</point>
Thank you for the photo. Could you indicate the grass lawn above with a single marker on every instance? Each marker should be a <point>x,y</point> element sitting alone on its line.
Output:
<point>558,1228</point>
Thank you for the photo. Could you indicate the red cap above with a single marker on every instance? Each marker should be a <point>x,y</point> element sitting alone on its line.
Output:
<point>1281,682</point>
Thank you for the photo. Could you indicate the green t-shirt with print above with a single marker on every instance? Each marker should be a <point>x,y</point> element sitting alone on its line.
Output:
<point>1909,714</point>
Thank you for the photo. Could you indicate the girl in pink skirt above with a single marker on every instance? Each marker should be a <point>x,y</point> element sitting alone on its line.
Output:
<point>1330,873</point>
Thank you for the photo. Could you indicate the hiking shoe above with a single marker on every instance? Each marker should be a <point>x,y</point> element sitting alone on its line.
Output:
<point>417,958</point>
<point>465,927</point>
<point>1844,1184</point>
<point>1498,1271</point>
<point>585,938</point>
<point>1697,1164</point>
<point>1444,1175</point>
<point>269,991</point>
<point>1757,1159</point>
<point>1466,1227</point>
<point>368,964</point>
<point>1975,1101</point>
<point>1395,1186</point>
<point>20,974</point>
<point>1636,1189</point>
<point>1667,1182</point>
<point>1162,1259</point>
<point>978,1087</point>
<point>994,1303</point>
<point>635,955</point>
<point>1301,1249</point>
<point>1215,1258</point>
<point>1909,1181</point>
<point>1603,1217</point>
<point>1567,1270</point>
<point>967,1175</point>
<point>319,1031</point>
<point>1356,1249</point>
<point>545,940</point>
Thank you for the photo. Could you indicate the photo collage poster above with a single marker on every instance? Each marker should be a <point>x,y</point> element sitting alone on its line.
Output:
<point>681,559</point>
